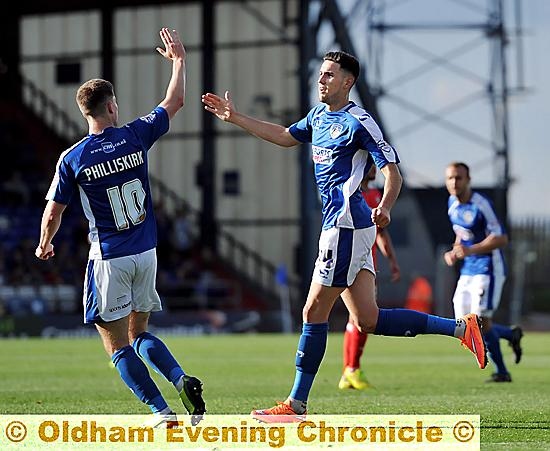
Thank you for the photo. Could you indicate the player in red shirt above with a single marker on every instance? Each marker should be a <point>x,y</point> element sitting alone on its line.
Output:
<point>354,340</point>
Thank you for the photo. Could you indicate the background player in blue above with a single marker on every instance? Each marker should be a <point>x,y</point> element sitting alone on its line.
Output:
<point>345,142</point>
<point>479,240</point>
<point>108,170</point>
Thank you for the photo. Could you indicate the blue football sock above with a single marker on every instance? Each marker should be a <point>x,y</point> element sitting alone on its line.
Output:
<point>493,346</point>
<point>503,331</point>
<point>134,373</point>
<point>153,350</point>
<point>409,323</point>
<point>311,349</point>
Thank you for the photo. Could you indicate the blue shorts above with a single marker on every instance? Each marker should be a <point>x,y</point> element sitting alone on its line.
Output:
<point>342,254</point>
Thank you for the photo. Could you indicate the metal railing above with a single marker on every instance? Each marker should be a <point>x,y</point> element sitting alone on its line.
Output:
<point>52,115</point>
<point>258,272</point>
<point>531,255</point>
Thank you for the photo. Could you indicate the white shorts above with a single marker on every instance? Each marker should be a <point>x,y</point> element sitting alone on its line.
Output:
<point>115,287</point>
<point>342,254</point>
<point>479,294</point>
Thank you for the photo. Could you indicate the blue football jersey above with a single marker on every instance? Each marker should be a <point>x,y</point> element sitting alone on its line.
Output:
<point>472,222</point>
<point>344,145</point>
<point>110,173</point>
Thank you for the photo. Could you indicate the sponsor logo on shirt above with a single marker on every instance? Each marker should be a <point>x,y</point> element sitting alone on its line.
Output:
<point>108,147</point>
<point>321,155</point>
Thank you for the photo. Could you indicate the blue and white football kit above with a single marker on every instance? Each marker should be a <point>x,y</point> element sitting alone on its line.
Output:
<point>110,173</point>
<point>482,276</point>
<point>344,145</point>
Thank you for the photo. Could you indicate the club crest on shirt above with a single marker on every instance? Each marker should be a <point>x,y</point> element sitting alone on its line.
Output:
<point>468,217</point>
<point>336,130</point>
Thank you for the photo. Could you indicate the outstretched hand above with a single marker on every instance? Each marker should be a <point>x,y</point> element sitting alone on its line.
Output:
<point>222,108</point>
<point>173,47</point>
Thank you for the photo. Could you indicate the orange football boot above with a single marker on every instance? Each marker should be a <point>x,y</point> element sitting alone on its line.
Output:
<point>473,339</point>
<point>281,413</point>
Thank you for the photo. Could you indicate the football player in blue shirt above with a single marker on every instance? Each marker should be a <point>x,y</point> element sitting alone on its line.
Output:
<point>108,170</point>
<point>345,142</point>
<point>478,245</point>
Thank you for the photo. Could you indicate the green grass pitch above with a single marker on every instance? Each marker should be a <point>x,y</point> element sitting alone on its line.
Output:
<point>424,375</point>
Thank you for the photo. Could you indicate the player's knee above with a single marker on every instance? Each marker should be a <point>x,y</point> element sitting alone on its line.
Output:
<point>312,311</point>
<point>308,311</point>
<point>366,325</point>
<point>366,328</point>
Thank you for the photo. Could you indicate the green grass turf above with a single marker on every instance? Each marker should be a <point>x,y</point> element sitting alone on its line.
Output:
<point>424,375</point>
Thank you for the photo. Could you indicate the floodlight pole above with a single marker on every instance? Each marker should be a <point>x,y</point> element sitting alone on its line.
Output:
<point>498,91</point>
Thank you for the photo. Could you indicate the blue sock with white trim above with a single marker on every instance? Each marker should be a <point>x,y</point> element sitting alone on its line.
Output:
<point>311,349</point>
<point>153,350</point>
<point>399,322</point>
<point>134,373</point>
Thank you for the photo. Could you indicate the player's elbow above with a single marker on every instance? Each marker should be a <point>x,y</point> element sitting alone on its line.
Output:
<point>177,102</point>
<point>504,240</point>
<point>286,145</point>
<point>391,171</point>
<point>172,111</point>
<point>286,139</point>
<point>397,177</point>
<point>173,104</point>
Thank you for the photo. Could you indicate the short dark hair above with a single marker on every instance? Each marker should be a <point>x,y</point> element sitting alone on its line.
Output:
<point>93,95</point>
<point>460,164</point>
<point>345,60</point>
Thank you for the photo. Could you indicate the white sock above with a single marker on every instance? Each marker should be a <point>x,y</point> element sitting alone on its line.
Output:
<point>460,328</point>
<point>179,384</point>
<point>165,411</point>
<point>298,406</point>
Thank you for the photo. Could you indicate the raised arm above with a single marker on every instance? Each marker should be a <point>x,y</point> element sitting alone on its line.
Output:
<point>174,51</point>
<point>225,110</point>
